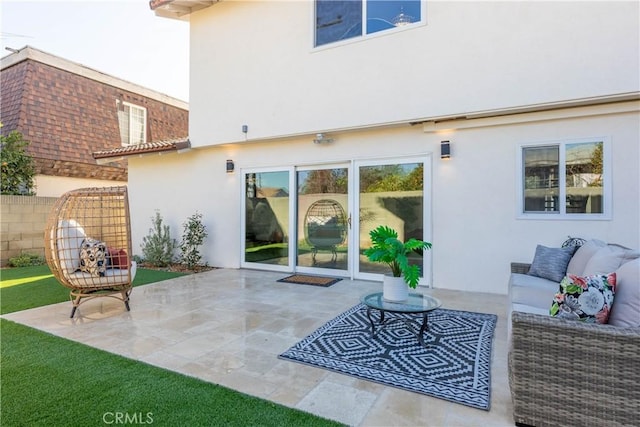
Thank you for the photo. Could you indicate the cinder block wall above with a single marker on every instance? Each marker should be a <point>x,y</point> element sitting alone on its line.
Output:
<point>22,220</point>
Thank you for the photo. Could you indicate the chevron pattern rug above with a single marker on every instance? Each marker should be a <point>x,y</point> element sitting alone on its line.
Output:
<point>455,365</point>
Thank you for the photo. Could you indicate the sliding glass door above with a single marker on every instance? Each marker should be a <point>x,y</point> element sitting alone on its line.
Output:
<point>391,193</point>
<point>267,212</point>
<point>323,219</point>
<point>317,219</point>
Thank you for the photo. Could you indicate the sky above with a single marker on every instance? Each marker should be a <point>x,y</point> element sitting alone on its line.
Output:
<point>123,38</point>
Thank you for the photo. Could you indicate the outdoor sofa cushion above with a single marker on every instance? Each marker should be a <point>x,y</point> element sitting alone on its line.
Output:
<point>608,259</point>
<point>532,291</point>
<point>626,309</point>
<point>582,256</point>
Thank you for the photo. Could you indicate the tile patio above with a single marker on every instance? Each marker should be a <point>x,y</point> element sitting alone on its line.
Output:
<point>228,327</point>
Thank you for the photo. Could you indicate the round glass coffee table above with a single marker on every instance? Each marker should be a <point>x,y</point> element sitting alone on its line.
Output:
<point>415,304</point>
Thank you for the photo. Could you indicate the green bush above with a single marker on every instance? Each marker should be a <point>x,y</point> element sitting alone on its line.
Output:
<point>158,246</point>
<point>17,166</point>
<point>26,260</point>
<point>193,236</point>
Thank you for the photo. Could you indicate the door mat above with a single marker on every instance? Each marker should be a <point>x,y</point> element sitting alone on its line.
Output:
<point>304,279</point>
<point>455,364</point>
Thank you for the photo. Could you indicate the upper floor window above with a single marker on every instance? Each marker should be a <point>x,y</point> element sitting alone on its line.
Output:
<point>342,20</point>
<point>565,179</point>
<point>133,123</point>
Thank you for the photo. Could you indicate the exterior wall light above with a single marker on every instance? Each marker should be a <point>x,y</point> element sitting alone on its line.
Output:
<point>321,138</point>
<point>230,166</point>
<point>445,150</point>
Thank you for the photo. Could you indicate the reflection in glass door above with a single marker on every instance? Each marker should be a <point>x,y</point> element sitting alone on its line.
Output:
<point>266,224</point>
<point>300,219</point>
<point>323,219</point>
<point>392,195</point>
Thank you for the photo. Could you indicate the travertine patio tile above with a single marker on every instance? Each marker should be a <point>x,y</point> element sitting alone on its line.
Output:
<point>229,326</point>
<point>338,402</point>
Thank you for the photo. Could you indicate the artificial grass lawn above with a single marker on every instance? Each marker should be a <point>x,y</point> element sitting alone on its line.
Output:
<point>29,287</point>
<point>52,381</point>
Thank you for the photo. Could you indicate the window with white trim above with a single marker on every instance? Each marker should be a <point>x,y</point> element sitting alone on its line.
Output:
<point>346,19</point>
<point>565,179</point>
<point>133,123</point>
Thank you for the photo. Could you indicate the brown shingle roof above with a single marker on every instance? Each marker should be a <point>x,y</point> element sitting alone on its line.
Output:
<point>68,111</point>
<point>146,148</point>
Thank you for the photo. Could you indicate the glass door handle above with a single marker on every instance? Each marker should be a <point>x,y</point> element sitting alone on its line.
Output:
<point>349,221</point>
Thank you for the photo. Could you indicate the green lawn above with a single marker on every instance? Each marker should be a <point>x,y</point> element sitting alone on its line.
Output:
<point>29,287</point>
<point>51,381</point>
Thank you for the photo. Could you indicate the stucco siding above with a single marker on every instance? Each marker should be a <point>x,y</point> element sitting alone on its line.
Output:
<point>253,63</point>
<point>475,228</point>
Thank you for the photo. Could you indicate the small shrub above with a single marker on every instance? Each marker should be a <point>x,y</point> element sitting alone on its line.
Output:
<point>26,260</point>
<point>193,236</point>
<point>158,246</point>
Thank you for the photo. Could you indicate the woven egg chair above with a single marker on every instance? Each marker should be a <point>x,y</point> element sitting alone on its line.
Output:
<point>88,244</point>
<point>325,227</point>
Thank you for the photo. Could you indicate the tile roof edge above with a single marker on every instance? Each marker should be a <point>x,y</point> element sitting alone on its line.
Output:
<point>178,145</point>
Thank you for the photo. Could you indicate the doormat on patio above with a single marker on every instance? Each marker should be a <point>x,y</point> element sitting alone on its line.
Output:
<point>303,279</point>
<point>455,365</point>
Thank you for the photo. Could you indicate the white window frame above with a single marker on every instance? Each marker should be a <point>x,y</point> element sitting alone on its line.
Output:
<point>132,108</point>
<point>365,36</point>
<point>562,214</point>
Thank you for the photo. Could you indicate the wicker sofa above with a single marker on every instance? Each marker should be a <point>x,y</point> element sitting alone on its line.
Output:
<point>571,373</point>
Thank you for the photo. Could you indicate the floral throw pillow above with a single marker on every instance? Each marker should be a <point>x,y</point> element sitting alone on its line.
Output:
<point>588,299</point>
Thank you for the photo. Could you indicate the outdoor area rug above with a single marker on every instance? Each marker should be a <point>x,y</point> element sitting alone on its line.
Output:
<point>303,279</point>
<point>455,365</point>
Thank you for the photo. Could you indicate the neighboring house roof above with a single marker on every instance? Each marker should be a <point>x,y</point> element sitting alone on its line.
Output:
<point>139,149</point>
<point>178,9</point>
<point>68,111</point>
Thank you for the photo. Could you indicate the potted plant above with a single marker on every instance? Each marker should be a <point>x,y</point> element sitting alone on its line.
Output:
<point>388,249</point>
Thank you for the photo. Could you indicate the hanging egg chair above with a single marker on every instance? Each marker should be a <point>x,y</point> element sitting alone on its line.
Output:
<point>88,244</point>
<point>325,227</point>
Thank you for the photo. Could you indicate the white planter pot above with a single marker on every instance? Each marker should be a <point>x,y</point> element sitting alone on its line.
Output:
<point>394,289</point>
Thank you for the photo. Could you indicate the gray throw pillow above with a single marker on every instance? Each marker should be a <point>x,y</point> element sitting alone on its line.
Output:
<point>551,263</point>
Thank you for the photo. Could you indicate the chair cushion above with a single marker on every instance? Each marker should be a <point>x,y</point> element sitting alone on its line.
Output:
<point>583,255</point>
<point>608,259</point>
<point>118,258</point>
<point>69,237</point>
<point>532,291</point>
<point>588,299</point>
<point>551,263</point>
<point>112,278</point>
<point>626,311</point>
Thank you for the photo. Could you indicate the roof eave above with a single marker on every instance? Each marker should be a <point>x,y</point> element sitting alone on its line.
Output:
<point>178,9</point>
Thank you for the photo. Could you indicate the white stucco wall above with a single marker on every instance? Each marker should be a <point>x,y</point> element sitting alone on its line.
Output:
<point>55,186</point>
<point>475,230</point>
<point>253,63</point>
